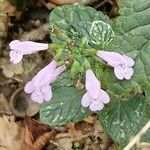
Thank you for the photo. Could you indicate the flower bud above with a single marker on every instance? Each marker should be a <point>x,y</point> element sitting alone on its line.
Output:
<point>75,68</point>
<point>86,64</point>
<point>58,54</point>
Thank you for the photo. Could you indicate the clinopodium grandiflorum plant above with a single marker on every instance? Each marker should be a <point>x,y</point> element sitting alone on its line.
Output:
<point>97,66</point>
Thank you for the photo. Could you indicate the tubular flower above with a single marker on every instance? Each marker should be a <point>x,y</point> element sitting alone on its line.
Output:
<point>95,97</point>
<point>18,49</point>
<point>40,86</point>
<point>122,64</point>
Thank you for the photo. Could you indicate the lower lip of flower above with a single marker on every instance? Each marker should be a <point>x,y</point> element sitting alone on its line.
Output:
<point>38,91</point>
<point>94,99</point>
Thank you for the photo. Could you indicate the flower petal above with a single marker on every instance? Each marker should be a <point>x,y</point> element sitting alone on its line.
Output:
<point>129,61</point>
<point>104,97</point>
<point>47,92</point>
<point>37,97</point>
<point>92,84</point>
<point>86,100</point>
<point>119,72</point>
<point>57,72</point>
<point>96,105</point>
<point>15,56</point>
<point>27,47</point>
<point>44,75</point>
<point>128,73</point>
<point>112,58</point>
<point>29,87</point>
<point>13,44</point>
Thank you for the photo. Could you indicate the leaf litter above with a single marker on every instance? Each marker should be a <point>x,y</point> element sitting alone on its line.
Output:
<point>27,133</point>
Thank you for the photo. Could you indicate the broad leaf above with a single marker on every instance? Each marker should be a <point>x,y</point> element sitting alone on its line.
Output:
<point>132,37</point>
<point>122,118</point>
<point>63,80</point>
<point>64,20</point>
<point>64,107</point>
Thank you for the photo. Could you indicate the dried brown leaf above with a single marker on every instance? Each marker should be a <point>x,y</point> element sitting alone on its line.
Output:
<point>90,119</point>
<point>36,128</point>
<point>37,135</point>
<point>36,34</point>
<point>7,8</point>
<point>11,135</point>
<point>74,133</point>
<point>4,106</point>
<point>10,69</point>
<point>43,140</point>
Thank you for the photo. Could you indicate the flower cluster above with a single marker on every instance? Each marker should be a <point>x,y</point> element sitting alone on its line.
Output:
<point>40,86</point>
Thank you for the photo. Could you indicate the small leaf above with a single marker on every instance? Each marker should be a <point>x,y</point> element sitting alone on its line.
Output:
<point>122,118</point>
<point>64,107</point>
<point>97,33</point>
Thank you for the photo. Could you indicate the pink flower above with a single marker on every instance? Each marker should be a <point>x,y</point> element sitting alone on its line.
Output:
<point>18,49</point>
<point>95,97</point>
<point>122,64</point>
<point>40,86</point>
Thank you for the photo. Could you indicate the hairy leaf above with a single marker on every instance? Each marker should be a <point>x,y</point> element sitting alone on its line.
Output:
<point>64,21</point>
<point>132,37</point>
<point>64,107</point>
<point>122,118</point>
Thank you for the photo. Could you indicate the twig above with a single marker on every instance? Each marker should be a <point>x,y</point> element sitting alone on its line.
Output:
<point>6,82</point>
<point>144,145</point>
<point>100,4</point>
<point>59,129</point>
<point>138,136</point>
<point>56,144</point>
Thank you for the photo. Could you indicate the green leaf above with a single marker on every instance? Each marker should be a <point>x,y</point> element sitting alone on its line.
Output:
<point>63,80</point>
<point>122,118</point>
<point>64,20</point>
<point>146,136</point>
<point>133,36</point>
<point>64,107</point>
<point>97,33</point>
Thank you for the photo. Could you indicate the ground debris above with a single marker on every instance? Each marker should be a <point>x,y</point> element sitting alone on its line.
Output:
<point>11,135</point>
<point>37,135</point>
<point>4,106</point>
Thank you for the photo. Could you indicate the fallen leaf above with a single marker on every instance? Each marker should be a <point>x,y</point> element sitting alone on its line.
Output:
<point>37,135</point>
<point>90,119</point>
<point>98,127</point>
<point>74,133</point>
<point>10,69</point>
<point>4,106</point>
<point>36,34</point>
<point>64,143</point>
<point>11,135</point>
<point>3,25</point>
<point>7,8</point>
<point>35,127</point>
